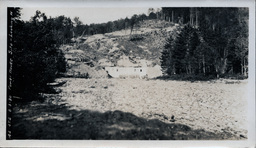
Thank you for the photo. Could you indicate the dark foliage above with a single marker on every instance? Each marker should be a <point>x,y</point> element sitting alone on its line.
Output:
<point>36,57</point>
<point>111,26</point>
<point>212,42</point>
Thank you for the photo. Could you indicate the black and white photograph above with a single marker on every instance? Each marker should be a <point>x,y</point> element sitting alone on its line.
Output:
<point>129,73</point>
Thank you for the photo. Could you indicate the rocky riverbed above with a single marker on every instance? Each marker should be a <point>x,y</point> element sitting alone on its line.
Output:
<point>136,109</point>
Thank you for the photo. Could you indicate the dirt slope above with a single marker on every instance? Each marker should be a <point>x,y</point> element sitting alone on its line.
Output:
<point>145,43</point>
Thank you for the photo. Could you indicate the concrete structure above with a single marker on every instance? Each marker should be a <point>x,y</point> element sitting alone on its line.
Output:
<point>127,72</point>
<point>139,68</point>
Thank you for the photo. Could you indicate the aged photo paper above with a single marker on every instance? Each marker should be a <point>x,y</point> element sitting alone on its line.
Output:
<point>127,73</point>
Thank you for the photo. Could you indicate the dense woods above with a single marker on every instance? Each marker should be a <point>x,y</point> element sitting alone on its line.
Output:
<point>213,42</point>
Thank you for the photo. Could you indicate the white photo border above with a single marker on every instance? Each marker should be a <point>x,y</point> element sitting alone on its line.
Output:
<point>250,142</point>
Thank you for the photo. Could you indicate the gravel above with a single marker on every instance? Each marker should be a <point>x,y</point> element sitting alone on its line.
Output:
<point>216,107</point>
<point>210,106</point>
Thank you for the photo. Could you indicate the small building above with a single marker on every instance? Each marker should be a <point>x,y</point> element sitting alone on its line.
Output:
<point>137,69</point>
<point>127,72</point>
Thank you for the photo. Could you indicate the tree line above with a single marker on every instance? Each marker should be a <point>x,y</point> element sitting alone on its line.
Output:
<point>213,41</point>
<point>127,23</point>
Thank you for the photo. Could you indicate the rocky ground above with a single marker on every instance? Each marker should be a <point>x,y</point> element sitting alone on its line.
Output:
<point>136,109</point>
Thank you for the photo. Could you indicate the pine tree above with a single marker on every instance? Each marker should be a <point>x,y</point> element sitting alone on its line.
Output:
<point>167,64</point>
<point>36,57</point>
<point>181,51</point>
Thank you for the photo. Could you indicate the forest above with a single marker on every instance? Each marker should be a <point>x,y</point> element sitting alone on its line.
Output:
<point>213,42</point>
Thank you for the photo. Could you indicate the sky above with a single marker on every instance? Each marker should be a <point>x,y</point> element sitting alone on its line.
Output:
<point>86,15</point>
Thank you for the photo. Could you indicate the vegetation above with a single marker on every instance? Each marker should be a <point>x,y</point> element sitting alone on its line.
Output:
<point>128,23</point>
<point>214,41</point>
<point>36,58</point>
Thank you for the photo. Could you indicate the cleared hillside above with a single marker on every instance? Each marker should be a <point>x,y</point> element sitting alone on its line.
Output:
<point>144,42</point>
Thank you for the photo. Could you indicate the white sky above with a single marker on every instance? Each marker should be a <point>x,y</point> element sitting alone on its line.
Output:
<point>86,15</point>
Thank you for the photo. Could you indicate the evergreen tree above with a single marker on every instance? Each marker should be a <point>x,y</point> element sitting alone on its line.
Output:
<point>167,64</point>
<point>181,51</point>
<point>36,57</point>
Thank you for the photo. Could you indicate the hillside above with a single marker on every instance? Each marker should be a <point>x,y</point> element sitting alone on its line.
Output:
<point>89,54</point>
